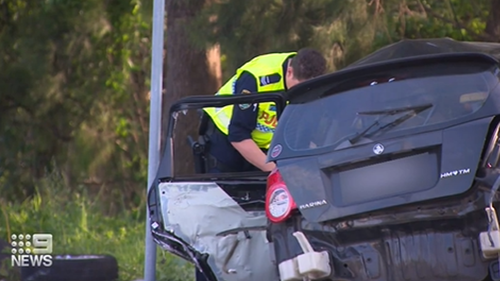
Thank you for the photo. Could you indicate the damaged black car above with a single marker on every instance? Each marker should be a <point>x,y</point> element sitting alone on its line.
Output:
<point>387,170</point>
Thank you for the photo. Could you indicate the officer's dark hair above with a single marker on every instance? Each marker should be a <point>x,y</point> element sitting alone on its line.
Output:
<point>308,63</point>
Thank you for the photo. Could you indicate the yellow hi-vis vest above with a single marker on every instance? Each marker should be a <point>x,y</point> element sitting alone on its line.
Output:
<point>262,67</point>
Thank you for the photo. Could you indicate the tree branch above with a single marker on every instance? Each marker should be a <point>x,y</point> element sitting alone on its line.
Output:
<point>479,37</point>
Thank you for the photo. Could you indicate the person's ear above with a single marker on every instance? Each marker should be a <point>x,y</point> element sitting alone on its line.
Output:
<point>289,69</point>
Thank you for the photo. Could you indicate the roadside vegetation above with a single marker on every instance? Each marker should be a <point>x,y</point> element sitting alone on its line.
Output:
<point>78,226</point>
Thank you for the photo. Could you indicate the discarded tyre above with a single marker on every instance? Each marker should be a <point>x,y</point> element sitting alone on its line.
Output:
<point>74,268</point>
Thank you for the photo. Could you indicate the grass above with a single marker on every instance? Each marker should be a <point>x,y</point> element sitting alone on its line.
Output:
<point>78,226</point>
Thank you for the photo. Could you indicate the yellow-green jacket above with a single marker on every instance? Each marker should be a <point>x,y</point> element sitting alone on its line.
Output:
<point>261,67</point>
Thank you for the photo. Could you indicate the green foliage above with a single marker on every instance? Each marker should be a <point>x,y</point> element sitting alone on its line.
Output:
<point>74,95</point>
<point>117,124</point>
<point>78,226</point>
<point>457,19</point>
<point>245,29</point>
<point>344,30</point>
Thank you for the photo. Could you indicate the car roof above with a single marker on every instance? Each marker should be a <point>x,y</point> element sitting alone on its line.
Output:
<point>407,48</point>
<point>407,51</point>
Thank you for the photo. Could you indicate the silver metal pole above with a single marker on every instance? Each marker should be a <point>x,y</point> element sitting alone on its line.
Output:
<point>154,125</point>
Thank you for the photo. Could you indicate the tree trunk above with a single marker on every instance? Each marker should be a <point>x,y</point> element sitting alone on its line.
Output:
<point>190,70</point>
<point>493,22</point>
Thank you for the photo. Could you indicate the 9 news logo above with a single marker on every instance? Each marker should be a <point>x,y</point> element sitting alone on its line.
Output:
<point>31,250</point>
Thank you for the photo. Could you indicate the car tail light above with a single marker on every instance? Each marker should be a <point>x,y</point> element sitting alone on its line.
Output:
<point>279,201</point>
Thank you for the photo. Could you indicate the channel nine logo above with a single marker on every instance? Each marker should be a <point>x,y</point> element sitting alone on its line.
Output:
<point>31,250</point>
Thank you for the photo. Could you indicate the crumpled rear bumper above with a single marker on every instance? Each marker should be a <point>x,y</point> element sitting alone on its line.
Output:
<point>203,225</point>
<point>175,245</point>
<point>438,250</point>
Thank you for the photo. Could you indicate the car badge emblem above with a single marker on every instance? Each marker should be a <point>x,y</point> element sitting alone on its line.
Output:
<point>378,148</point>
<point>276,151</point>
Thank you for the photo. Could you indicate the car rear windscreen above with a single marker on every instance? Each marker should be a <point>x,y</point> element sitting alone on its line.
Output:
<point>363,103</point>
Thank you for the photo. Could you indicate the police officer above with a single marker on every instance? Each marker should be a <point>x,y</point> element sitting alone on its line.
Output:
<point>241,134</point>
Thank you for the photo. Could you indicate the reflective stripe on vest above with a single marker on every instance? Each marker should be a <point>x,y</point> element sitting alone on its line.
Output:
<point>262,67</point>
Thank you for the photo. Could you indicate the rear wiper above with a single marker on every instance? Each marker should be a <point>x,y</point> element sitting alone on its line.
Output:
<point>414,110</point>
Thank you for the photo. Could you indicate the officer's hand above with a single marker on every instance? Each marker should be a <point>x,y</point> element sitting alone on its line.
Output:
<point>269,167</point>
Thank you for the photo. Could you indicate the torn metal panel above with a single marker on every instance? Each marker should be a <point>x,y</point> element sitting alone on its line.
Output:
<point>198,212</point>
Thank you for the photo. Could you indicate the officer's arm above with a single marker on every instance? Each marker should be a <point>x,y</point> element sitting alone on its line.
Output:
<point>242,124</point>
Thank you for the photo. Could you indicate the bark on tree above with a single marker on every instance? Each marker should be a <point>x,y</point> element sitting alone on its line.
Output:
<point>493,22</point>
<point>189,70</point>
